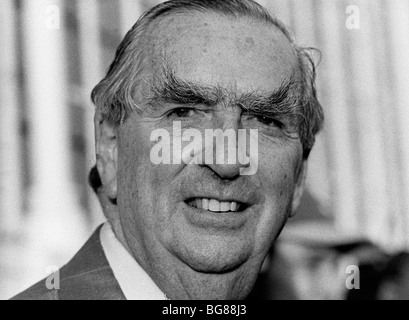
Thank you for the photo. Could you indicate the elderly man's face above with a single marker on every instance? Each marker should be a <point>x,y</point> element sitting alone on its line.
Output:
<point>189,249</point>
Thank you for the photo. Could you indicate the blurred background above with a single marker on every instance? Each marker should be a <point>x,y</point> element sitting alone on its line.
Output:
<point>53,52</point>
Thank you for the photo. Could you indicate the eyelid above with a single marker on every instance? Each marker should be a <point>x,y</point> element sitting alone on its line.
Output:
<point>192,106</point>
<point>276,120</point>
<point>173,110</point>
<point>259,114</point>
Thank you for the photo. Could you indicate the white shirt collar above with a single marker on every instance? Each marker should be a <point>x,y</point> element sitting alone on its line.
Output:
<point>134,282</point>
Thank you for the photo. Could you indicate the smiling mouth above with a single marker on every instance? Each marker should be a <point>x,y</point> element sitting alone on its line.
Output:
<point>214,205</point>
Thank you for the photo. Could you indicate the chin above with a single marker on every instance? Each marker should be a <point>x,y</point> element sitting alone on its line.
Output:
<point>215,256</point>
<point>212,265</point>
<point>213,281</point>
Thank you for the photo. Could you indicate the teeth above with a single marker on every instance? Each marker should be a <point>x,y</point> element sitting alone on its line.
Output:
<point>214,205</point>
<point>198,203</point>
<point>205,204</point>
<point>224,206</point>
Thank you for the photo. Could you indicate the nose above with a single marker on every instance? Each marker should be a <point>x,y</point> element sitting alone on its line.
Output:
<point>222,140</point>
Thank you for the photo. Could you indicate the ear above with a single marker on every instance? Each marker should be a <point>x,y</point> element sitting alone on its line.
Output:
<point>106,154</point>
<point>299,187</point>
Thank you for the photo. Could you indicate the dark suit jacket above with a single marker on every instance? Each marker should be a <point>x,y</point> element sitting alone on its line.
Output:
<point>87,276</point>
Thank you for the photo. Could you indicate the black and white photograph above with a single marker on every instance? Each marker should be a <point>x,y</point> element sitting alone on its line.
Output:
<point>204,150</point>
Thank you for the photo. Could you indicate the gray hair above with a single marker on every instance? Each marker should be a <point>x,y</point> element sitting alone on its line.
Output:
<point>113,96</point>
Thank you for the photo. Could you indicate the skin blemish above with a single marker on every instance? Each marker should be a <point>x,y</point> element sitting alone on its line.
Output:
<point>281,193</point>
<point>244,45</point>
<point>206,40</point>
<point>250,41</point>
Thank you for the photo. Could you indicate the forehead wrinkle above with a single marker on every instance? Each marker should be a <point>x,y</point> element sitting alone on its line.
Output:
<point>165,32</point>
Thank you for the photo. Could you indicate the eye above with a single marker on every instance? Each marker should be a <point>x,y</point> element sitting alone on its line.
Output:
<point>265,120</point>
<point>181,112</point>
<point>268,121</point>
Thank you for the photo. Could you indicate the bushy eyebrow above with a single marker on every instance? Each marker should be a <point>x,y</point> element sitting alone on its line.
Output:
<point>172,89</point>
<point>283,101</point>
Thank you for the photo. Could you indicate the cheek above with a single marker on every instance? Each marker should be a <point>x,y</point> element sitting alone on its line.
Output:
<point>135,170</point>
<point>143,187</point>
<point>134,152</point>
<point>279,171</point>
<point>277,180</point>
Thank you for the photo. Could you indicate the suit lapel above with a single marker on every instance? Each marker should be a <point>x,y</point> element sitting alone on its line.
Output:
<point>88,275</point>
